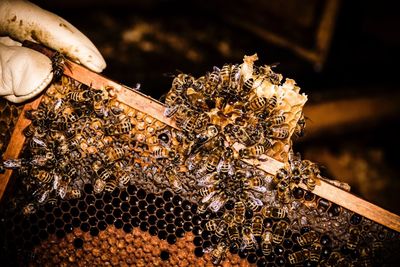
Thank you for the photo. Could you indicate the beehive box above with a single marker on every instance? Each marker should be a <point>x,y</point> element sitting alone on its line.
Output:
<point>101,225</point>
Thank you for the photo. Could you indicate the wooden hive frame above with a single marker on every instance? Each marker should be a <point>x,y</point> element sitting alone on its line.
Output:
<point>156,110</point>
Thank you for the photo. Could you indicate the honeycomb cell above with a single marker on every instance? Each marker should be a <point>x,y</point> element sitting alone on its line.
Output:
<point>131,189</point>
<point>252,258</point>
<point>141,194</point>
<point>118,223</point>
<point>43,235</point>
<point>78,243</point>
<point>142,204</point>
<point>143,216</point>
<point>125,206</point>
<point>164,255</point>
<point>169,207</point>
<point>169,218</point>
<point>135,222</point>
<point>102,225</point>
<point>126,217</point>
<point>99,204</point>
<point>66,218</point>
<point>88,188</point>
<point>355,219</point>
<point>59,223</point>
<point>90,199</point>
<point>82,206</point>
<point>188,226</point>
<point>107,198</point>
<point>308,196</point>
<point>92,221</point>
<point>167,196</point>
<point>179,222</point>
<point>133,201</point>
<point>117,213</point>
<point>85,227</point>
<point>74,212</point>
<point>76,222</point>
<point>50,218</point>
<point>151,208</point>
<point>94,231</point>
<point>124,196</point>
<point>68,228</point>
<point>115,193</point>
<point>261,262</point>
<point>243,254</point>
<point>153,230</point>
<point>206,244</point>
<point>178,211</point>
<point>162,234</point>
<point>60,233</point>
<point>206,235</point>
<point>180,232</point>
<point>100,215</point>
<point>83,216</point>
<point>116,202</point>
<point>199,252</point>
<point>127,228</point>
<point>334,210</point>
<point>280,261</point>
<point>91,210</point>
<point>171,239</point>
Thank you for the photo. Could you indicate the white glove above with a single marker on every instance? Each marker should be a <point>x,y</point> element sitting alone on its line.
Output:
<point>24,73</point>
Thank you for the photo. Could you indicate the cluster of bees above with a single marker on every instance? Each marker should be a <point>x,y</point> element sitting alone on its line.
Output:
<point>80,135</point>
<point>228,115</point>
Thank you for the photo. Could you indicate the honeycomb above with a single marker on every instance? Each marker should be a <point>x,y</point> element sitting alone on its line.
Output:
<point>8,117</point>
<point>102,183</point>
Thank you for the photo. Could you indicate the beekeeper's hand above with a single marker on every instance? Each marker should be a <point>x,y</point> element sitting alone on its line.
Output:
<point>24,73</point>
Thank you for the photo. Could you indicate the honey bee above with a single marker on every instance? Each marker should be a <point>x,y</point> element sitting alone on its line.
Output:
<point>273,212</point>
<point>266,242</point>
<point>103,173</point>
<point>123,127</point>
<point>257,225</point>
<point>29,130</point>
<point>272,103</point>
<point>315,252</point>
<point>233,233</point>
<point>242,135</point>
<point>300,127</point>
<point>333,259</point>
<point>239,211</point>
<point>353,239</point>
<point>212,225</point>
<point>276,120</point>
<point>37,143</point>
<point>218,254</point>
<point>182,81</point>
<point>212,161</point>
<point>284,195</point>
<point>257,104</point>
<point>279,232</point>
<point>212,81</point>
<point>248,239</point>
<point>217,202</point>
<point>248,85</point>
<point>83,96</point>
<point>74,194</point>
<point>28,209</point>
<point>226,164</point>
<point>208,179</point>
<point>278,132</point>
<point>252,152</point>
<point>234,77</point>
<point>174,180</point>
<point>307,238</point>
<point>225,75</point>
<point>43,176</point>
<point>297,257</point>
<point>160,152</point>
<point>253,203</point>
<point>110,185</point>
<point>124,178</point>
<point>207,193</point>
<point>189,124</point>
<point>114,154</point>
<point>221,229</point>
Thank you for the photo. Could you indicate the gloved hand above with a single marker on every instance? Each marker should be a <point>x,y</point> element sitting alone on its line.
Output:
<point>24,73</point>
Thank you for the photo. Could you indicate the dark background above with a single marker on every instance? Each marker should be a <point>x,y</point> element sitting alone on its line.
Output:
<point>149,42</point>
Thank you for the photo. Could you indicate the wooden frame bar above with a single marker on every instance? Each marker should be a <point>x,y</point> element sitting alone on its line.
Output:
<point>156,109</point>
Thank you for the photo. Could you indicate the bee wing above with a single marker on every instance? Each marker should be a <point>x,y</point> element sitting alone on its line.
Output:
<point>206,180</point>
<point>208,197</point>
<point>217,204</point>
<point>39,142</point>
<point>170,111</point>
<point>257,201</point>
<point>12,163</point>
<point>261,189</point>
